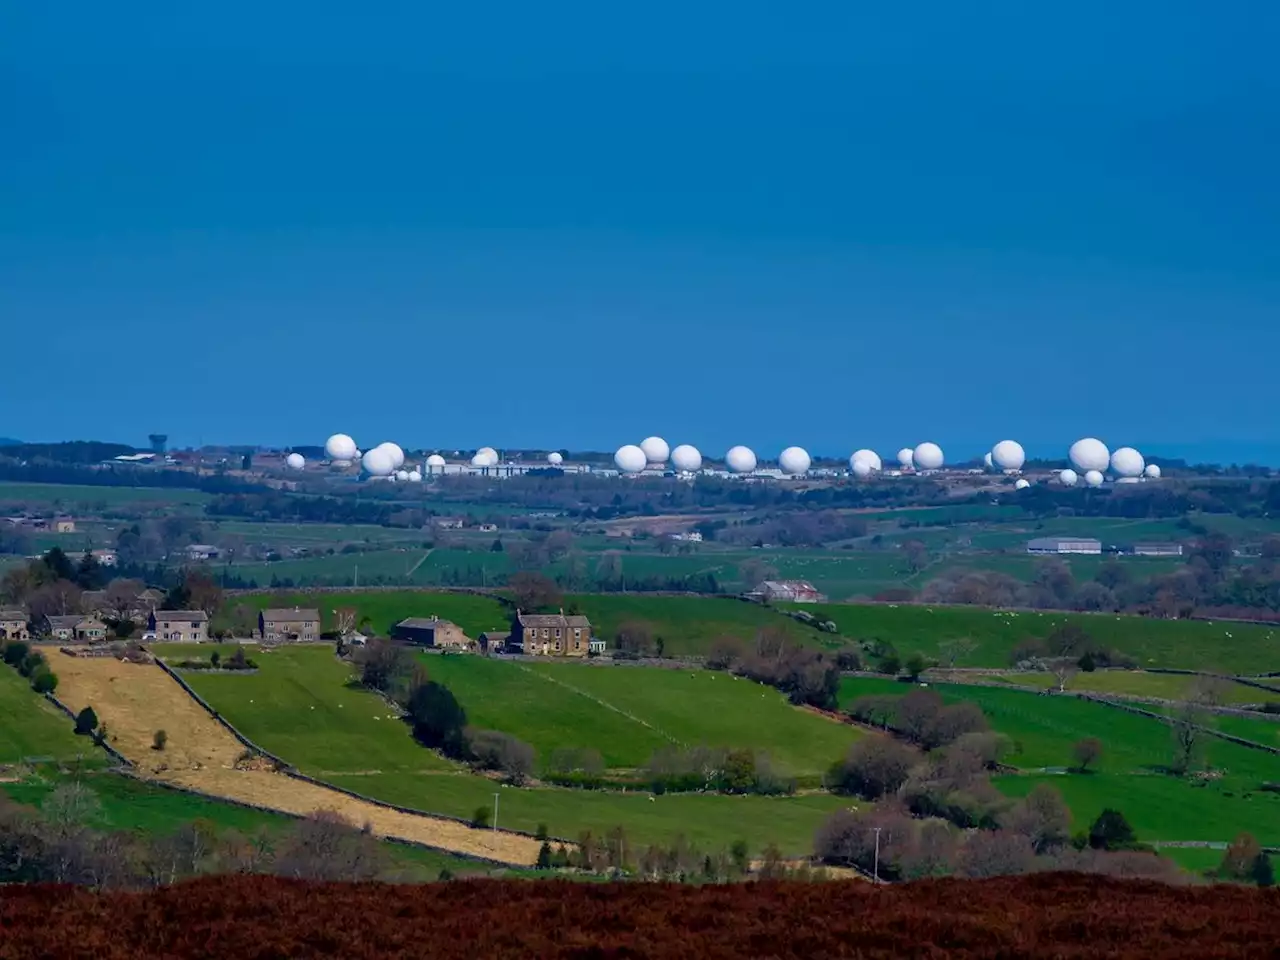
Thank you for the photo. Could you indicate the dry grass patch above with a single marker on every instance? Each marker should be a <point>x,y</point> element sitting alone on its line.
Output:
<point>135,700</point>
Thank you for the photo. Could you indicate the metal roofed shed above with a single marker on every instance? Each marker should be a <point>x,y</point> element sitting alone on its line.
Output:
<point>1064,545</point>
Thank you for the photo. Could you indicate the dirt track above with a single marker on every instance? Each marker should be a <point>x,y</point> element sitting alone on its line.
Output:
<point>135,700</point>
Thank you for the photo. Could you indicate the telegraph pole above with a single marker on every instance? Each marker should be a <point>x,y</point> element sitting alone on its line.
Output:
<point>495,813</point>
<point>876,874</point>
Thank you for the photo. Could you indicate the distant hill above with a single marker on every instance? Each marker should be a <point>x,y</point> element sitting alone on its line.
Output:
<point>9,442</point>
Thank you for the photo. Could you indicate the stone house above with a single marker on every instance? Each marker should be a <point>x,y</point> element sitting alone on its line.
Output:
<point>431,632</point>
<point>179,626</point>
<point>13,624</point>
<point>294,624</point>
<point>75,628</point>
<point>550,634</point>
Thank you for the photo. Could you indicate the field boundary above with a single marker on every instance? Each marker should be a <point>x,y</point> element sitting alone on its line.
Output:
<point>1168,721</point>
<point>289,770</point>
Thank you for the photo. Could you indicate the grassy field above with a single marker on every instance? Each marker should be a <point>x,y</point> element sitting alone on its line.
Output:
<point>1236,648</point>
<point>1138,683</point>
<point>627,713</point>
<point>67,495</point>
<point>128,804</point>
<point>302,703</point>
<point>688,625</point>
<point>30,726</point>
<point>299,707</point>
<point>1134,749</point>
<point>474,613</point>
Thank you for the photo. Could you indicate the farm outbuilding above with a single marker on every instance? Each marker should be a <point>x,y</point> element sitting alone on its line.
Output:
<point>1061,545</point>
<point>431,632</point>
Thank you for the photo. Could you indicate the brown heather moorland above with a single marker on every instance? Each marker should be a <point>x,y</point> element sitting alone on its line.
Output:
<point>1061,916</point>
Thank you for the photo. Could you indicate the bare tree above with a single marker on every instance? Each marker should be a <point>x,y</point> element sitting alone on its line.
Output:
<point>55,599</point>
<point>956,649</point>
<point>996,853</point>
<point>325,846</point>
<point>501,751</point>
<point>383,665</point>
<point>1086,752</point>
<point>1064,670</point>
<point>534,591</point>
<point>635,637</point>
<point>1189,722</point>
<point>934,852</point>
<point>346,620</point>
<point>875,766</point>
<point>1042,817</point>
<point>916,554</point>
<point>121,597</point>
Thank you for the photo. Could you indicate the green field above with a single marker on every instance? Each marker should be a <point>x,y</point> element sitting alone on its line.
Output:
<point>30,726</point>
<point>1138,683</point>
<point>688,625</point>
<point>627,713</point>
<point>133,805</point>
<point>1237,648</point>
<point>300,707</point>
<point>1160,807</point>
<point>59,494</point>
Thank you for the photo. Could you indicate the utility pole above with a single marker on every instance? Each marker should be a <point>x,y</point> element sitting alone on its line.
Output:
<point>876,874</point>
<point>357,582</point>
<point>495,813</point>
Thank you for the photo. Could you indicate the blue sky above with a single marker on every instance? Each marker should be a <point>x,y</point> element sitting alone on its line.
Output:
<point>576,224</point>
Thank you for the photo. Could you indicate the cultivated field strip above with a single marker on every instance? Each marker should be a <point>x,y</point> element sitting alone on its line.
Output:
<point>135,700</point>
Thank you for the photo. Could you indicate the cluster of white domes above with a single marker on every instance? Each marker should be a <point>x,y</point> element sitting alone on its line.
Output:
<point>1090,456</point>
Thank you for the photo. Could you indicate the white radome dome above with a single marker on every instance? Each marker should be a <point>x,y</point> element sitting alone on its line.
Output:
<point>1093,478</point>
<point>1089,454</point>
<point>686,458</point>
<point>377,463</point>
<point>927,456</point>
<point>861,469</point>
<point>906,458</point>
<point>485,457</point>
<point>1068,478</point>
<point>988,462</point>
<point>1152,472</point>
<point>1008,455</point>
<point>555,459</point>
<point>741,459</point>
<point>402,475</point>
<point>415,476</point>
<point>795,461</point>
<point>393,451</point>
<point>340,447</point>
<point>870,456</point>
<point>295,461</point>
<point>1127,462</point>
<point>1021,484</point>
<point>435,460</point>
<point>630,459</point>
<point>656,450</point>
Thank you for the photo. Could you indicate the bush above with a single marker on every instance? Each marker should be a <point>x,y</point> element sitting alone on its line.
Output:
<point>480,818</point>
<point>1111,831</point>
<point>44,680</point>
<point>86,721</point>
<point>874,766</point>
<point>493,750</point>
<point>15,652</point>
<point>159,740</point>
<point>438,719</point>
<point>32,662</point>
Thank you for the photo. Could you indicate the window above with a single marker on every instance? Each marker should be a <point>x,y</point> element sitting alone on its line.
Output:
<point>557,633</point>
<point>545,633</point>
<point>577,633</point>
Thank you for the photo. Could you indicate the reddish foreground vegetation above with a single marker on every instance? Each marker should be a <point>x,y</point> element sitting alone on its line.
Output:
<point>1045,915</point>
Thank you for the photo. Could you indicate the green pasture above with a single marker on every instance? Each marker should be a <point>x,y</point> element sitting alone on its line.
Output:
<point>134,805</point>
<point>1235,648</point>
<point>1139,683</point>
<point>30,726</point>
<point>628,713</point>
<point>688,626</point>
<point>82,496</point>
<point>301,705</point>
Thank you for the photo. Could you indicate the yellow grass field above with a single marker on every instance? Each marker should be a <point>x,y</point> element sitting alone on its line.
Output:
<point>136,700</point>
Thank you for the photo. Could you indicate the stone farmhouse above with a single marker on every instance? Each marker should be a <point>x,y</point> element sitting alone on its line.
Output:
<point>13,625</point>
<point>179,626</point>
<point>550,635</point>
<point>75,628</point>
<point>282,625</point>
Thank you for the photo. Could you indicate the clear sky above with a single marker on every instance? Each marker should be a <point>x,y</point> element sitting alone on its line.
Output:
<point>834,224</point>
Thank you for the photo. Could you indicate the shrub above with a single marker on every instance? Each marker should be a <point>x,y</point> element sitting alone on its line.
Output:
<point>438,719</point>
<point>44,680</point>
<point>480,818</point>
<point>86,721</point>
<point>15,652</point>
<point>31,662</point>
<point>159,740</point>
<point>874,766</point>
<point>1111,831</point>
<point>493,750</point>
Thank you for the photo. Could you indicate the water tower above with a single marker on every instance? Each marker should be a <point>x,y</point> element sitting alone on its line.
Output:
<point>158,442</point>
